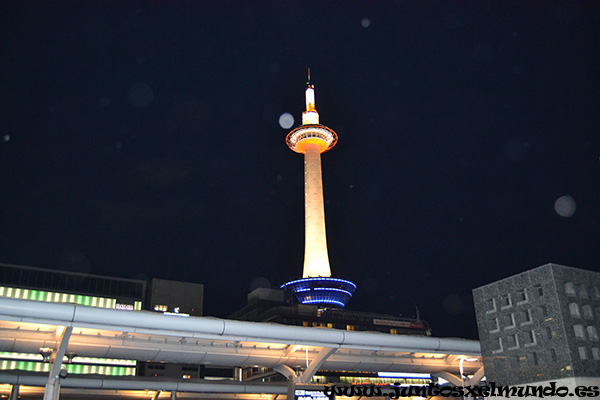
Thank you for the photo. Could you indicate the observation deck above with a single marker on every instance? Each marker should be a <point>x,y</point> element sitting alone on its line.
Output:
<point>326,291</point>
<point>318,134</point>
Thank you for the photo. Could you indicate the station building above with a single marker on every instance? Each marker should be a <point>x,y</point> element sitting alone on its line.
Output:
<point>159,295</point>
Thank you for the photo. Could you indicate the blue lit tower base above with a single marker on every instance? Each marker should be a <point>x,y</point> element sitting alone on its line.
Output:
<point>323,291</point>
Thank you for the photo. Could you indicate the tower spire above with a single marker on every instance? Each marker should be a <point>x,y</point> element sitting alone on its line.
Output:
<point>310,116</point>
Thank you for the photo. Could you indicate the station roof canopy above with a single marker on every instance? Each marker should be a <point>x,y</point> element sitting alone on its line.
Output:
<point>296,352</point>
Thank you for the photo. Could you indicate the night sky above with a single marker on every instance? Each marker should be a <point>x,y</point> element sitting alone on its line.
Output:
<point>142,140</point>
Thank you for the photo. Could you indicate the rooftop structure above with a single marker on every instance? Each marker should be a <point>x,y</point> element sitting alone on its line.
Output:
<point>269,305</point>
<point>316,286</point>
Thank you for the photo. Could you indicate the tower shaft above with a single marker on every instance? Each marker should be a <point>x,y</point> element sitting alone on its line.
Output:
<point>316,259</point>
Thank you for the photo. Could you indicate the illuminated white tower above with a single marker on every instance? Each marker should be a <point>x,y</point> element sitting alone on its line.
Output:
<point>316,285</point>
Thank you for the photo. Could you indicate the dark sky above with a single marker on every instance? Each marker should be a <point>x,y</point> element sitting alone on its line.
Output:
<point>142,140</point>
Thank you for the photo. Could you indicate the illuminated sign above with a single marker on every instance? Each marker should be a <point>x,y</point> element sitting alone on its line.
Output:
<point>176,313</point>
<point>301,394</point>
<point>409,375</point>
<point>401,324</point>
<point>121,306</point>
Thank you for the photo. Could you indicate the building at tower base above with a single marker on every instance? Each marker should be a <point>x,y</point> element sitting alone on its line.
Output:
<point>271,305</point>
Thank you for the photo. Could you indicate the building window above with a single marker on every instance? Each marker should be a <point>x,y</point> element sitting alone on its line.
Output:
<point>596,353</point>
<point>505,301</point>
<point>496,345</point>
<point>592,333</point>
<point>587,312</point>
<point>596,292</point>
<point>349,327</point>
<point>514,362</point>
<point>538,291</point>
<point>512,342</point>
<point>570,288</point>
<point>493,325</point>
<point>508,321</point>
<point>579,331</point>
<point>550,355</point>
<point>524,317</point>
<point>529,338</point>
<point>532,359</point>
<point>542,312</point>
<point>582,291</point>
<point>574,309</point>
<point>499,364</point>
<point>547,333</point>
<point>582,352</point>
<point>490,305</point>
<point>161,307</point>
<point>521,296</point>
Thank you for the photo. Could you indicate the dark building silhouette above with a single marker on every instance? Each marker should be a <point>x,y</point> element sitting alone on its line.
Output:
<point>271,305</point>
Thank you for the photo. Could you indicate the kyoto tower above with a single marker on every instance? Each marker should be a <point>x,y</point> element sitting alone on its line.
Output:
<point>316,286</point>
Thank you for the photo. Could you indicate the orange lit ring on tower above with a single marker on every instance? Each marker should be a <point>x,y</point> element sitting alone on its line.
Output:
<point>325,137</point>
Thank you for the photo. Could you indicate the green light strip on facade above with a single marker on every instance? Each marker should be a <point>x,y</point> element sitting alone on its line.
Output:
<point>55,297</point>
<point>82,360</point>
<point>76,369</point>
<point>29,362</point>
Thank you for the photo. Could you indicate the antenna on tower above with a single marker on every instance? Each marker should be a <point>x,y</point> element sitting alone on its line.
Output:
<point>308,77</point>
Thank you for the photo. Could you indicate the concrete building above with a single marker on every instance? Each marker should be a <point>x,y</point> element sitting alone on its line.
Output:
<point>541,325</point>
